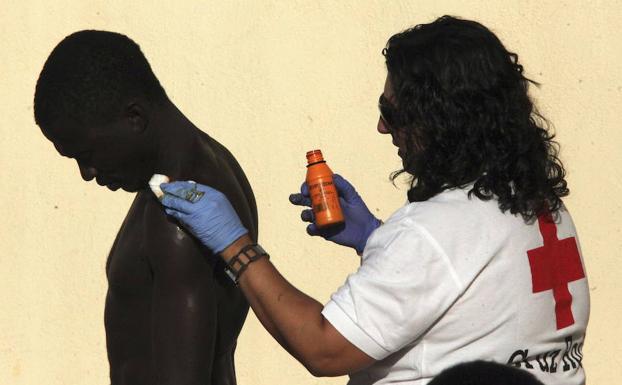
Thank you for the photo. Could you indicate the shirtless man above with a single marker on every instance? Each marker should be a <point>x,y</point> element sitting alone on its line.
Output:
<point>172,315</point>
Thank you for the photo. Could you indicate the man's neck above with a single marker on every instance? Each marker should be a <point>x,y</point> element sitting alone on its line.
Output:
<point>179,144</point>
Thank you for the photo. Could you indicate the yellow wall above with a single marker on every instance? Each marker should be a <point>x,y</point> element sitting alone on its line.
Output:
<point>270,80</point>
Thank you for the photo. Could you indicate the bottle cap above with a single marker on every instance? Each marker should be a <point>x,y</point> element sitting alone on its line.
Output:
<point>314,156</point>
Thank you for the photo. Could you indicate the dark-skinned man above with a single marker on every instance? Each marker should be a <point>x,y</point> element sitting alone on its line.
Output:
<point>169,320</point>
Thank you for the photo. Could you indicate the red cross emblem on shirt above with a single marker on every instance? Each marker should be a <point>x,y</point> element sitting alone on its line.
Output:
<point>553,266</point>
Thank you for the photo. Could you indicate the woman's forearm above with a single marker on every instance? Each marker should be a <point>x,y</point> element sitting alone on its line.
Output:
<point>293,318</point>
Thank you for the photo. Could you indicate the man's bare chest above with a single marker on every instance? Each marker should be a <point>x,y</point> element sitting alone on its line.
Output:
<point>128,266</point>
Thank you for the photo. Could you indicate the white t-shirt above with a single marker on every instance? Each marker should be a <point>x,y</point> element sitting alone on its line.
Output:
<point>454,279</point>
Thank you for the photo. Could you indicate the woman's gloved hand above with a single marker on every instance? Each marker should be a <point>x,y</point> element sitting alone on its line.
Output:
<point>205,212</point>
<point>359,221</point>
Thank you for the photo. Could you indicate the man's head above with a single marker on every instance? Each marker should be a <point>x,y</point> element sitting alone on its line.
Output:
<point>93,101</point>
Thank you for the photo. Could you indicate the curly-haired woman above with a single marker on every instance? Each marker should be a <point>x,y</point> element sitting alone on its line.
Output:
<point>483,263</point>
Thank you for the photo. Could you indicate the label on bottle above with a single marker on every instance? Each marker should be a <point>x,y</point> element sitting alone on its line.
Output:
<point>323,196</point>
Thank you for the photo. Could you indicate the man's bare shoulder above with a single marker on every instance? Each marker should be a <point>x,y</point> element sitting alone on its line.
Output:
<point>167,245</point>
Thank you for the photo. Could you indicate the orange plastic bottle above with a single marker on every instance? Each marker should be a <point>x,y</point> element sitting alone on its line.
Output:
<point>324,197</point>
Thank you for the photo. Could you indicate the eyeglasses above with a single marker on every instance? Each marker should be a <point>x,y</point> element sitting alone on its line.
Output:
<point>387,111</point>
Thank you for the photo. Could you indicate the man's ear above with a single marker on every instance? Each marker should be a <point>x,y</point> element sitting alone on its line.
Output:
<point>136,117</point>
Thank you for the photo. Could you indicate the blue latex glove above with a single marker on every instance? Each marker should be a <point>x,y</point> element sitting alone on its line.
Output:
<point>359,221</point>
<point>211,218</point>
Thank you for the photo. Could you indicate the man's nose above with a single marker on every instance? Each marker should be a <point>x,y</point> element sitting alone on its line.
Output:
<point>87,172</point>
<point>382,126</point>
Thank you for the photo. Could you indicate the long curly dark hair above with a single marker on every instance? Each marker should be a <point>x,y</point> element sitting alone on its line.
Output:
<point>461,100</point>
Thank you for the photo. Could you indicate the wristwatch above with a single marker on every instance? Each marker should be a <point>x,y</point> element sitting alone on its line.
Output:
<point>236,265</point>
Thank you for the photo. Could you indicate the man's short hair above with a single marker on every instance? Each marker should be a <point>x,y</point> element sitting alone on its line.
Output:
<point>484,373</point>
<point>89,76</point>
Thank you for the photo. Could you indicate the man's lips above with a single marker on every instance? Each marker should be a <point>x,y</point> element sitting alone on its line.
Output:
<point>112,185</point>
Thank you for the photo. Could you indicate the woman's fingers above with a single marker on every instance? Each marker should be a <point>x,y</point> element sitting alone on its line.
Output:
<point>307,215</point>
<point>312,230</point>
<point>177,204</point>
<point>300,200</point>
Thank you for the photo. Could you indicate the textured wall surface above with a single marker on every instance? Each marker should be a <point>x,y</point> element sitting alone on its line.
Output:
<point>270,80</point>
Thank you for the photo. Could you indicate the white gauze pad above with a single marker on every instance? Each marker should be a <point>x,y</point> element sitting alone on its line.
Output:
<point>154,184</point>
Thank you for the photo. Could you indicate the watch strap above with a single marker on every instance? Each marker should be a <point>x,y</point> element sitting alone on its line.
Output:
<point>236,265</point>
